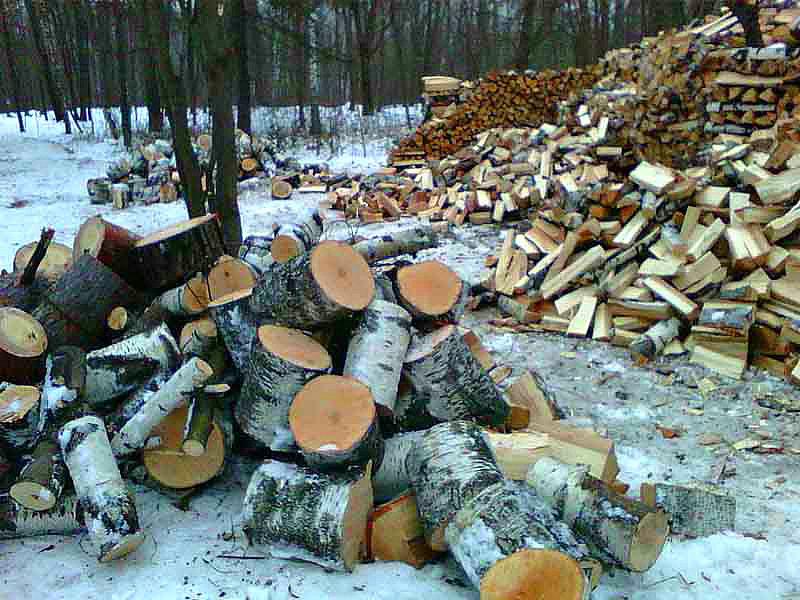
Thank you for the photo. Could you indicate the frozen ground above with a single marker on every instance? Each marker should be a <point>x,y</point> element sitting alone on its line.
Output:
<point>42,183</point>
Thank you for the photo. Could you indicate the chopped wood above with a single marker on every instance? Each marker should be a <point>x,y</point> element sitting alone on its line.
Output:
<point>395,533</point>
<point>676,299</point>
<point>530,391</point>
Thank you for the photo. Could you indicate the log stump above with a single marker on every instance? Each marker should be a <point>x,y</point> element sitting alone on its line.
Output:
<point>42,479</point>
<point>432,293</point>
<point>16,521</point>
<point>19,418</point>
<point>23,342</point>
<point>282,361</point>
<point>296,238</point>
<point>111,244</point>
<point>335,424</point>
<point>109,508</point>
<point>329,283</point>
<point>294,512</point>
<point>230,275</point>
<point>237,325</point>
<point>57,259</point>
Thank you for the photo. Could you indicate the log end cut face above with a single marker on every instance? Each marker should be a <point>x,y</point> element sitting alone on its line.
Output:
<point>21,335</point>
<point>123,547</point>
<point>534,574</point>
<point>295,347</point>
<point>173,230</point>
<point>33,495</point>
<point>430,287</point>
<point>342,274</point>
<point>205,328</point>
<point>648,542</point>
<point>16,401</point>
<point>89,239</point>
<point>284,247</point>
<point>56,260</point>
<point>229,275</point>
<point>195,295</point>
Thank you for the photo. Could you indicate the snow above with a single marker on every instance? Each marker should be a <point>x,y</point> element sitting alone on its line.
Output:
<point>43,177</point>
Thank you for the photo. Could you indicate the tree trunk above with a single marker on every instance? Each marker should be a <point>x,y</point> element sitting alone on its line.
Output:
<point>243,54</point>
<point>56,99</point>
<point>155,116</point>
<point>12,67</point>
<point>237,325</point>
<point>123,48</point>
<point>84,60</point>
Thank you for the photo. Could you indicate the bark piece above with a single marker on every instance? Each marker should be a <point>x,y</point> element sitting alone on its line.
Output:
<point>335,424</point>
<point>19,417</point>
<point>431,291</point>
<point>451,463</point>
<point>329,283</point>
<point>407,241</point>
<point>296,513</point>
<point>282,361</point>
<point>42,479</point>
<point>392,478</point>
<point>296,238</point>
<point>56,259</point>
<point>622,530</point>
<point>109,508</point>
<point>16,521</point>
<point>395,533</point>
<point>32,266</point>
<point>230,275</point>
<point>111,244</point>
<point>693,510</point>
<point>188,299</point>
<point>236,324</point>
<point>377,349</point>
<point>23,342</point>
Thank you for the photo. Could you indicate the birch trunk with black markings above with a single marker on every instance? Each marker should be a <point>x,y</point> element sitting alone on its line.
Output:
<point>392,478</point>
<point>237,325</point>
<point>256,251</point>
<point>108,507</point>
<point>16,521</point>
<point>408,241</point>
<point>42,479</point>
<point>294,512</point>
<point>296,238</point>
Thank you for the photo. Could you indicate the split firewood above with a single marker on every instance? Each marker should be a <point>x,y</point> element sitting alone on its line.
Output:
<point>229,275</point>
<point>450,464</point>
<point>23,342</point>
<point>296,513</point>
<point>186,300</point>
<point>331,282</point>
<point>112,245</point>
<point>392,478</point>
<point>19,418</point>
<point>296,238</point>
<point>654,340</point>
<point>395,534</point>
<point>281,362</point>
<point>407,241</point>
<point>623,531</point>
<point>236,324</point>
<point>42,479</point>
<point>531,392</point>
<point>377,349</point>
<point>432,293</point>
<point>692,510</point>
<point>16,521</point>
<point>109,508</point>
<point>334,422</point>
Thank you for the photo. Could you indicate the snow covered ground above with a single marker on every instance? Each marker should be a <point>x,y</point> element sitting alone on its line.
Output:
<point>186,556</point>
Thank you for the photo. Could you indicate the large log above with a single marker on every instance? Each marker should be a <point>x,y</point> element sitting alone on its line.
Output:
<point>377,349</point>
<point>42,479</point>
<point>329,283</point>
<point>230,275</point>
<point>109,508</point>
<point>282,360</point>
<point>236,324</point>
<point>450,464</point>
<point>294,512</point>
<point>392,478</point>
<point>57,259</point>
<point>620,530</point>
<point>432,292</point>
<point>111,244</point>
<point>510,545</point>
<point>296,238</point>
<point>23,342</point>
<point>172,255</point>
<point>19,418</point>
<point>16,521</point>
<point>335,424</point>
<point>407,241</point>
<point>443,370</point>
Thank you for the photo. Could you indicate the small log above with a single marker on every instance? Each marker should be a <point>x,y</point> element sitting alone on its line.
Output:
<point>119,368</point>
<point>431,292</point>
<point>296,238</point>
<point>172,255</point>
<point>377,349</point>
<point>280,189</point>
<point>511,546</point>
<point>282,360</point>
<point>42,479</point>
<point>19,418</point>
<point>109,508</point>
<point>66,518</point>
<point>653,341</point>
<point>407,241</point>
<point>293,512</point>
<point>256,251</point>
<point>188,299</point>
<point>450,464</point>
<point>111,244</point>
<point>57,258</point>
<point>119,319</point>
<point>230,275</point>
<point>335,424</point>
<point>170,396</point>
<point>620,530</point>
<point>329,283</point>
<point>236,324</point>
<point>23,342</point>
<point>395,534</point>
<point>441,366</point>
<point>199,422</point>
<point>392,477</point>
<point>693,510</point>
<point>198,337</point>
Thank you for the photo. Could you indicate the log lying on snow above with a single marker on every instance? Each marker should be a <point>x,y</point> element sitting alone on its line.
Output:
<point>186,300</point>
<point>16,521</point>
<point>296,238</point>
<point>230,275</point>
<point>42,479</point>
<point>335,424</point>
<point>511,546</point>
<point>445,373</point>
<point>294,512</point>
<point>236,324</point>
<point>56,260</point>
<point>620,530</point>
<point>281,362</point>
<point>377,349</point>
<point>431,292</point>
<point>408,241</point>
<point>19,417</point>
<point>111,244</point>
<point>329,283</point>
<point>693,510</point>
<point>450,464</point>
<point>23,342</point>
<point>109,509</point>
<point>392,478</point>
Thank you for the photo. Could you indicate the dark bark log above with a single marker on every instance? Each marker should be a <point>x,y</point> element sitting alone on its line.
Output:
<point>42,479</point>
<point>242,18</point>
<point>29,273</point>
<point>122,64</point>
<point>5,29</point>
<point>23,343</point>
<point>111,244</point>
<point>56,99</point>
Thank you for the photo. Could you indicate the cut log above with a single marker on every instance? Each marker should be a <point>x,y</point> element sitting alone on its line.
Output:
<point>19,418</point>
<point>42,479</point>
<point>109,508</point>
<point>198,337</point>
<point>65,518</point>
<point>170,256</point>
<point>170,396</point>
<point>188,299</point>
<point>296,238</point>
<point>236,324</point>
<point>23,342</point>
<point>331,282</point>
<point>620,530</point>
<point>293,512</point>
<point>653,341</point>
<point>392,477</point>
<point>394,533</point>
<point>335,424</point>
<point>230,275</point>
<point>693,510</point>
<point>510,545</point>
<point>200,420</point>
<point>119,368</point>
<point>111,244</point>
<point>431,292</point>
<point>281,189</point>
<point>441,367</point>
<point>282,361</point>
<point>530,391</point>
<point>450,464</point>
<point>256,251</point>
<point>56,259</point>
<point>119,319</point>
<point>377,349</point>
<point>407,241</point>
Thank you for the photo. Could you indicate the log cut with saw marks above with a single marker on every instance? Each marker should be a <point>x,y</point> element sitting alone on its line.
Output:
<point>111,244</point>
<point>296,238</point>
<point>23,343</point>
<point>186,300</point>
<point>229,275</point>
<point>42,479</point>
<point>431,292</point>
<point>57,259</point>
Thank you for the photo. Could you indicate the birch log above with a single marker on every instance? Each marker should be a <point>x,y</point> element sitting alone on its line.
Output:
<point>653,341</point>
<point>510,545</point>
<point>281,362</point>
<point>296,238</point>
<point>171,395</point>
<point>621,530</point>
<point>329,283</point>
<point>432,293</point>
<point>237,325</point>
<point>408,241</point>
<point>392,477</point>
<point>42,479</point>
<point>256,251</point>
<point>186,300</point>
<point>16,521</point>
<point>198,337</point>
<point>294,512</point>
<point>377,349</point>
<point>19,418</point>
<point>109,508</point>
<point>450,463</point>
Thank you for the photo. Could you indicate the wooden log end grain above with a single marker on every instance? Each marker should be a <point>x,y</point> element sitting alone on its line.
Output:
<point>430,290</point>
<point>281,189</point>
<point>23,343</point>
<point>19,418</point>
<point>342,275</point>
<point>533,574</point>
<point>56,260</point>
<point>111,244</point>
<point>42,479</point>
<point>229,275</point>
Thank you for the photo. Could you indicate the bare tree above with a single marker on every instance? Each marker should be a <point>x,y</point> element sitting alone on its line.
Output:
<point>5,31</point>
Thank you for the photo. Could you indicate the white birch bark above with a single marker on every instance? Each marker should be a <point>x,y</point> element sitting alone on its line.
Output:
<point>393,478</point>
